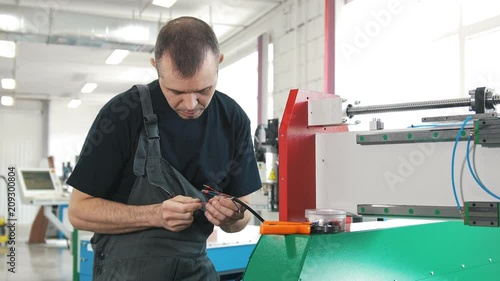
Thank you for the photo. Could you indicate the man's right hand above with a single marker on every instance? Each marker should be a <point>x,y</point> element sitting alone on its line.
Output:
<point>176,214</point>
<point>103,216</point>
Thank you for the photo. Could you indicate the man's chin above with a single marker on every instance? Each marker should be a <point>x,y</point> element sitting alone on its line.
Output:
<point>189,115</point>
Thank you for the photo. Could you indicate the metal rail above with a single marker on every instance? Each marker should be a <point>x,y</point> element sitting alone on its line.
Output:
<point>489,101</point>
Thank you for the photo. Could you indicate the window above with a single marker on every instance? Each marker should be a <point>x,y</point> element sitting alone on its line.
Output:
<point>391,51</point>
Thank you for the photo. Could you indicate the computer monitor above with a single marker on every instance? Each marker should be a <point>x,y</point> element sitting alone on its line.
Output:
<point>37,183</point>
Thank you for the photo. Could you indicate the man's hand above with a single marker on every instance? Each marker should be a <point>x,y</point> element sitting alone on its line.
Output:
<point>176,214</point>
<point>222,211</point>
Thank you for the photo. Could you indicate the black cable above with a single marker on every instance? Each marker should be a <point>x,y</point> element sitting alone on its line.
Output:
<point>213,192</point>
<point>248,208</point>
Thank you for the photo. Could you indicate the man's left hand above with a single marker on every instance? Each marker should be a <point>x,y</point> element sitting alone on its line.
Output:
<point>222,211</point>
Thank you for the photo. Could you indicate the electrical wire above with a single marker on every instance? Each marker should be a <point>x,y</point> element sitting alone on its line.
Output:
<point>235,200</point>
<point>248,208</point>
<point>215,192</point>
<point>474,174</point>
<point>434,125</point>
<point>211,191</point>
<point>457,139</point>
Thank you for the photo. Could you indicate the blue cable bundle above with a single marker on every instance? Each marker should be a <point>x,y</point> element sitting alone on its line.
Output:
<point>457,139</point>
<point>473,173</point>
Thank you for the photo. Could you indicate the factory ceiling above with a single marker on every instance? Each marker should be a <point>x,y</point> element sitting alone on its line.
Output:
<point>61,45</point>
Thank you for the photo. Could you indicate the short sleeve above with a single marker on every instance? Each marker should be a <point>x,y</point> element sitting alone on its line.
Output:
<point>244,173</point>
<point>103,155</point>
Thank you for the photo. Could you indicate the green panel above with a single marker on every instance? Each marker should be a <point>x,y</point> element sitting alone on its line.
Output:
<point>471,274</point>
<point>76,256</point>
<point>437,251</point>
<point>282,255</point>
<point>405,253</point>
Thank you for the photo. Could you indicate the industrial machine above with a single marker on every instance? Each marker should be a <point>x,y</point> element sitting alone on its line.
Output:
<point>266,154</point>
<point>443,176</point>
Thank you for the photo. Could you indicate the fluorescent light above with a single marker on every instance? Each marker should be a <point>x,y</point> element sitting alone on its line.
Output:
<point>88,88</point>
<point>7,49</point>
<point>164,3</point>
<point>74,103</point>
<point>8,84</point>
<point>9,23</point>
<point>7,100</point>
<point>117,56</point>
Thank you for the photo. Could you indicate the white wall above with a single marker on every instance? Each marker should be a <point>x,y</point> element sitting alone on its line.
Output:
<point>387,51</point>
<point>243,92</point>
<point>392,51</point>
<point>296,29</point>
<point>32,130</point>
<point>21,145</point>
<point>68,128</point>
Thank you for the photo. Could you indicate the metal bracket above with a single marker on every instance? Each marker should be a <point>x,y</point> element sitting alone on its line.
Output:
<point>417,211</point>
<point>482,213</point>
<point>413,136</point>
<point>462,118</point>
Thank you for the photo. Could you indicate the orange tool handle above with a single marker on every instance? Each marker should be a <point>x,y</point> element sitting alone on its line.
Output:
<point>272,227</point>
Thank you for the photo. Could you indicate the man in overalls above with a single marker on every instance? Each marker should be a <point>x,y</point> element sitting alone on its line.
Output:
<point>149,153</point>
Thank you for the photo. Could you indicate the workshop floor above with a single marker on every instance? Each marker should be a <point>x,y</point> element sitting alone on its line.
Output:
<point>51,261</point>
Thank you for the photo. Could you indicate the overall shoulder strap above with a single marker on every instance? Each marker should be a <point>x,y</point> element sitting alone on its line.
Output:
<point>149,118</point>
<point>149,139</point>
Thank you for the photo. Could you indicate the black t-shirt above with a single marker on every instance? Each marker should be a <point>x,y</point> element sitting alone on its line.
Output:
<point>214,149</point>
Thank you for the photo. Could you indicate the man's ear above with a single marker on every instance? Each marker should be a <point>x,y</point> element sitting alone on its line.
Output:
<point>153,62</point>
<point>221,58</point>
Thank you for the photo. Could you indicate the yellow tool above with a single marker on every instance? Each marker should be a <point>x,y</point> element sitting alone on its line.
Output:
<point>3,231</point>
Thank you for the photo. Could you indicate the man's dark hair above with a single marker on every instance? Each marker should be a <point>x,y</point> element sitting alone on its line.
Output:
<point>186,40</point>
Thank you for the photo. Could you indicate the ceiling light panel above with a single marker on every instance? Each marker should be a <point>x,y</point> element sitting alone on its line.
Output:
<point>117,56</point>
<point>164,3</point>
<point>7,100</point>
<point>74,103</point>
<point>88,88</point>
<point>7,49</point>
<point>9,22</point>
<point>8,83</point>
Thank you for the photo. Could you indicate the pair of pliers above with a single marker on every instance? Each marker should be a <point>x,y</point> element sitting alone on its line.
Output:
<point>284,227</point>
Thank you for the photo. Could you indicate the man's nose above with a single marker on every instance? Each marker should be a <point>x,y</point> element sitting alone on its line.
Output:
<point>190,101</point>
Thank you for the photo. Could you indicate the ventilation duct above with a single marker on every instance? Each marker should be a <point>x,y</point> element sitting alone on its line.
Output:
<point>71,28</point>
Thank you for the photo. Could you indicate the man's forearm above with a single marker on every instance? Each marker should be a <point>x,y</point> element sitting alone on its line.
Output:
<point>104,216</point>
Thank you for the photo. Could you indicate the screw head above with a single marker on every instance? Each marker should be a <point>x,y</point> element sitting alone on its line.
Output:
<point>463,265</point>
<point>432,272</point>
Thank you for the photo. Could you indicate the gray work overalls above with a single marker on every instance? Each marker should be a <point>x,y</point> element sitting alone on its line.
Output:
<point>155,254</point>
